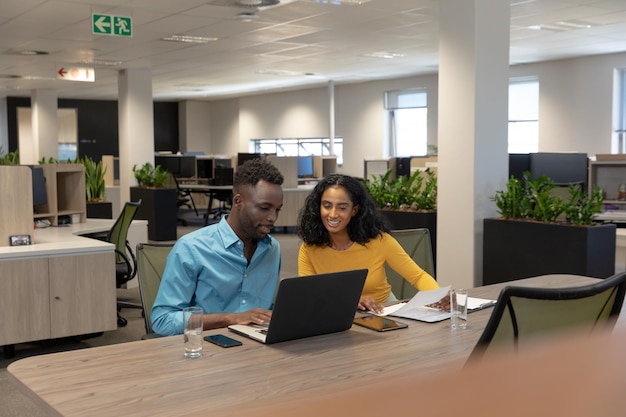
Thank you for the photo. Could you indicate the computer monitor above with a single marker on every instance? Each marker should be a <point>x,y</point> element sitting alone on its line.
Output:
<point>204,168</point>
<point>305,166</point>
<point>243,157</point>
<point>169,163</point>
<point>40,196</point>
<point>187,166</point>
<point>562,168</point>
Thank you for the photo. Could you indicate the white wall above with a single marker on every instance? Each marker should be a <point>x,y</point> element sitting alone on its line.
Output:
<point>575,102</point>
<point>575,111</point>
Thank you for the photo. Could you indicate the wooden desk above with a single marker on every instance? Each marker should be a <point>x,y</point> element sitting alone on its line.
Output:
<point>153,378</point>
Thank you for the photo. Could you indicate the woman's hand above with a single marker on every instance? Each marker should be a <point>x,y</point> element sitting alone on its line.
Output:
<point>369,304</point>
<point>443,304</point>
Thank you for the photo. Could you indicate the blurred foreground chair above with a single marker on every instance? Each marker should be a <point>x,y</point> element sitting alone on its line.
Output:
<point>522,314</point>
<point>151,258</point>
<point>416,242</point>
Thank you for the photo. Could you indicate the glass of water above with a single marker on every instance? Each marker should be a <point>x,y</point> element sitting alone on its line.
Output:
<point>192,327</point>
<point>458,309</point>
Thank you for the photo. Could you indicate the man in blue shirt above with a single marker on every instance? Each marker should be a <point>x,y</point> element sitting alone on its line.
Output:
<point>231,268</point>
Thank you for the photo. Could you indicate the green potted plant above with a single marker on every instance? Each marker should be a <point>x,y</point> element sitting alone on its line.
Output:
<point>407,202</point>
<point>10,158</point>
<point>540,232</point>
<point>158,202</point>
<point>95,190</point>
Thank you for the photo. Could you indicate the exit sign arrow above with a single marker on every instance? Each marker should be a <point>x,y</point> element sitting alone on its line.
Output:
<point>102,23</point>
<point>77,74</point>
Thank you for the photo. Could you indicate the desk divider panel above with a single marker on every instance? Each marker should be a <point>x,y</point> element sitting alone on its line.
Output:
<point>16,204</point>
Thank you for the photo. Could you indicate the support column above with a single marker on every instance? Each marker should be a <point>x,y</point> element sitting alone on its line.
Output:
<point>4,127</point>
<point>473,126</point>
<point>44,105</point>
<point>331,117</point>
<point>136,125</point>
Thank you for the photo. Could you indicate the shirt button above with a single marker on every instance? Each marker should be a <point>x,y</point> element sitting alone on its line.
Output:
<point>243,301</point>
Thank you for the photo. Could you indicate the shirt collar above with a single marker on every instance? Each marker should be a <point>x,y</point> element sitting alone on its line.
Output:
<point>230,238</point>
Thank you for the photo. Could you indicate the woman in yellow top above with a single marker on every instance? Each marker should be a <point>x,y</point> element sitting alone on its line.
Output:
<point>342,230</point>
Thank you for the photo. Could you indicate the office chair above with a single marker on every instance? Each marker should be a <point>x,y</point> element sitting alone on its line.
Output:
<point>416,242</point>
<point>151,259</point>
<point>184,197</point>
<point>125,261</point>
<point>522,314</point>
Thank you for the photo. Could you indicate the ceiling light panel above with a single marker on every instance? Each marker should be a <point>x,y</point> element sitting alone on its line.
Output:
<point>188,39</point>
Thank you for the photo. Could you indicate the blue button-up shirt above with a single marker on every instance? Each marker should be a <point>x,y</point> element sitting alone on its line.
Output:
<point>207,268</point>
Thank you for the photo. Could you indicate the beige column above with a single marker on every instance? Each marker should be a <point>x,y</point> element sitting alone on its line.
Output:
<point>136,125</point>
<point>44,105</point>
<point>473,123</point>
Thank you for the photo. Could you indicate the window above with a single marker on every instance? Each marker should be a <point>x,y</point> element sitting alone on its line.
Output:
<point>408,125</point>
<point>298,147</point>
<point>524,116</point>
<point>619,136</point>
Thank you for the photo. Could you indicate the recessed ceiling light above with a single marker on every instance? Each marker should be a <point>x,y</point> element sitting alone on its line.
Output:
<point>103,62</point>
<point>279,72</point>
<point>385,55</point>
<point>28,52</point>
<point>188,39</point>
<point>340,2</point>
<point>247,16</point>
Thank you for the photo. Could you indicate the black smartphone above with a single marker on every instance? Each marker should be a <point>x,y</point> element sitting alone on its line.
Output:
<point>380,324</point>
<point>223,341</point>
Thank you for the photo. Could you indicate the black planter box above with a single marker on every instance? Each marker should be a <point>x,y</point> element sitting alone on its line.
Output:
<point>158,206</point>
<point>404,219</point>
<point>515,249</point>
<point>100,210</point>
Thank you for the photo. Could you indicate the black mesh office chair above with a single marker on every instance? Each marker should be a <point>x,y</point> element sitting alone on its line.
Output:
<point>521,313</point>
<point>184,198</point>
<point>125,261</point>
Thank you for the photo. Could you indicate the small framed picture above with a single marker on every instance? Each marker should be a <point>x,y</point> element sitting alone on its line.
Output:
<point>19,240</point>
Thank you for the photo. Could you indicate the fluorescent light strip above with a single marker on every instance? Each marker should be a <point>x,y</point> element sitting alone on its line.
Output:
<point>188,39</point>
<point>385,55</point>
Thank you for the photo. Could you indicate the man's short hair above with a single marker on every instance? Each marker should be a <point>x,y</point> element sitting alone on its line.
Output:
<point>254,170</point>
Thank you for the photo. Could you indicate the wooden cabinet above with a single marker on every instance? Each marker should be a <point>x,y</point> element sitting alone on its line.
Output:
<point>293,201</point>
<point>57,296</point>
<point>65,189</point>
<point>24,300</point>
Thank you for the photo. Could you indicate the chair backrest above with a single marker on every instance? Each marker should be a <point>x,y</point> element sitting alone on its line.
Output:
<point>118,235</point>
<point>416,242</point>
<point>522,314</point>
<point>151,259</point>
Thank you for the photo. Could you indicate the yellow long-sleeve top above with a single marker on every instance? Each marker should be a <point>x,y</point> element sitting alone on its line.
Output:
<point>372,256</point>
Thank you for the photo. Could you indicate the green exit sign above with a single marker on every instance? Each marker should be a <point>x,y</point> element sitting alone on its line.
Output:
<point>107,24</point>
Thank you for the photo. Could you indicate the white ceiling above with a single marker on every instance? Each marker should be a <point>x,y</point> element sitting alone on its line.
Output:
<point>293,44</point>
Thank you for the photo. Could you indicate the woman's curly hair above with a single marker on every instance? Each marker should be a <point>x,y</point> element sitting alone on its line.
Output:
<point>365,225</point>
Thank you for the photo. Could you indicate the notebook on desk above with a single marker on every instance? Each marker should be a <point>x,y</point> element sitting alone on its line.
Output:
<point>310,306</point>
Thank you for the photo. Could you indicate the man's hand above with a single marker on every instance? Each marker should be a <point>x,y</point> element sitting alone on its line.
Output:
<point>255,316</point>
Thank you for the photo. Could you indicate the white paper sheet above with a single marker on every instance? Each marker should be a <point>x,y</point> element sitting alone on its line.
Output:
<point>416,308</point>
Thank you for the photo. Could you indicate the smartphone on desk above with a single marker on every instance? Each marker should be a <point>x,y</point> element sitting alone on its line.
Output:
<point>221,340</point>
<point>380,324</point>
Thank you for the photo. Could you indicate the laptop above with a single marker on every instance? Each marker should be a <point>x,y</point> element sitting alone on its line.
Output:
<point>310,306</point>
